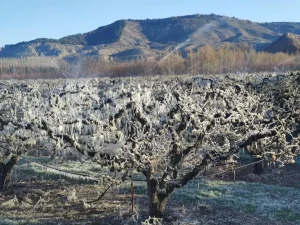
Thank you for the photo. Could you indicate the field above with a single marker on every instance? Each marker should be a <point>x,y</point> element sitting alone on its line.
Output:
<point>39,195</point>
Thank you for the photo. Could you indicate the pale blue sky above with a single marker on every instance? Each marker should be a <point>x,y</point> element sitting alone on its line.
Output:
<point>24,20</point>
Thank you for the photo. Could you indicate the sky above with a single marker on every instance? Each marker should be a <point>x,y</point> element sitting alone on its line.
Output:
<point>24,20</point>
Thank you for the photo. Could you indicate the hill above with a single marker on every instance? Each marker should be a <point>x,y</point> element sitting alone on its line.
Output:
<point>283,27</point>
<point>289,43</point>
<point>131,39</point>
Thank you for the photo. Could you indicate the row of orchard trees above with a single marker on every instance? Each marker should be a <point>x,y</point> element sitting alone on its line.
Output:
<point>169,129</point>
<point>228,58</point>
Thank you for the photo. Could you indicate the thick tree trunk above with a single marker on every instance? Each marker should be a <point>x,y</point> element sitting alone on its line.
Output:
<point>5,170</point>
<point>157,204</point>
<point>157,200</point>
<point>157,209</point>
<point>2,175</point>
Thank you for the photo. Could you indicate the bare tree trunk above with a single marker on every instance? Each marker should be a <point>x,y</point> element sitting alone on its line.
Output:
<point>5,170</point>
<point>157,204</point>
<point>2,175</point>
<point>157,199</point>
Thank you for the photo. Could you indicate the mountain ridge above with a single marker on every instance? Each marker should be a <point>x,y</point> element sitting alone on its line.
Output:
<point>133,39</point>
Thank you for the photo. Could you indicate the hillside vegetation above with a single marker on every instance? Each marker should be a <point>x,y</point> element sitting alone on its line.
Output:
<point>152,37</point>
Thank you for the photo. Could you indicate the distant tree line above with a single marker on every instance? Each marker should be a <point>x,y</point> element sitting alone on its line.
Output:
<point>228,58</point>
<point>240,58</point>
<point>32,67</point>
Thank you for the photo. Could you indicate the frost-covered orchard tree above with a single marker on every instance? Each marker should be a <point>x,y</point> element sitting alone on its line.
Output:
<point>279,102</point>
<point>38,116</point>
<point>19,111</point>
<point>172,129</point>
<point>169,129</point>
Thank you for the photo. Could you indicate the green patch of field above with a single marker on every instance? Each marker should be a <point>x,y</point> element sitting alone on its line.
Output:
<point>33,171</point>
<point>270,201</point>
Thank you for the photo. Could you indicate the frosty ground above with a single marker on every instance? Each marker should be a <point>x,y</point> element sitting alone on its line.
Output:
<point>42,196</point>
